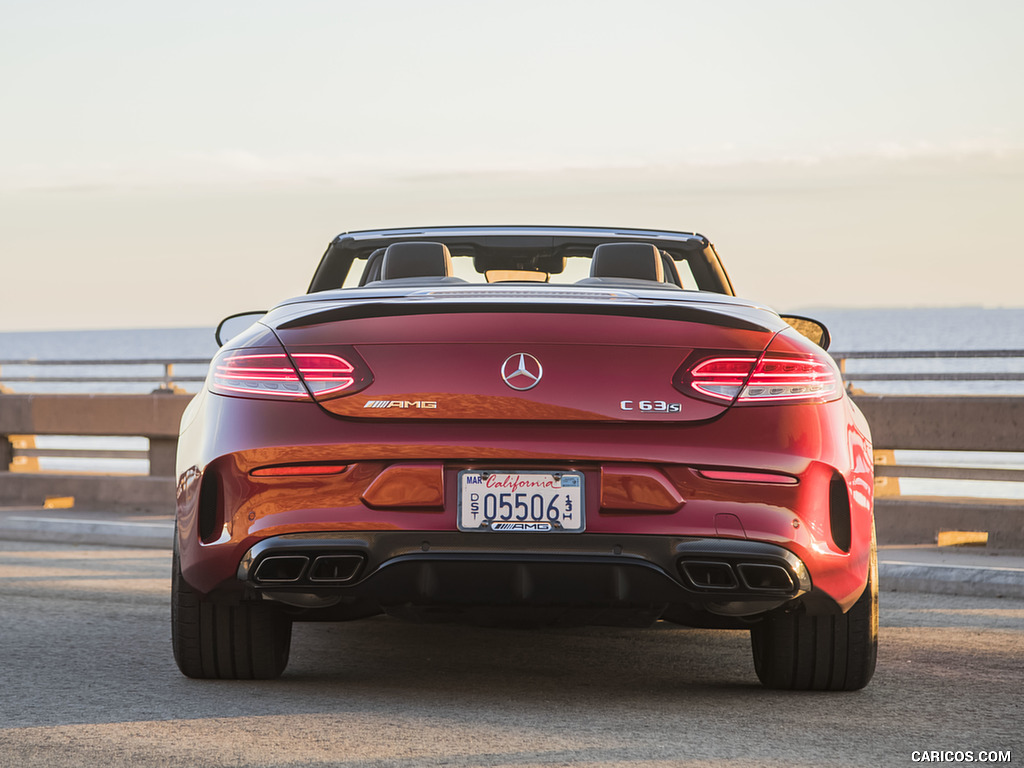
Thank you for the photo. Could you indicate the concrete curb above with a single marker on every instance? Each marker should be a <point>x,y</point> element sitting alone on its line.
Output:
<point>56,528</point>
<point>951,579</point>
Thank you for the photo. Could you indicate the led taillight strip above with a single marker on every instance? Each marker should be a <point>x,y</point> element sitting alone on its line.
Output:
<point>272,374</point>
<point>773,379</point>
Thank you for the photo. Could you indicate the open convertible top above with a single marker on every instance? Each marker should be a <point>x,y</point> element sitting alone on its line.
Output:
<point>492,254</point>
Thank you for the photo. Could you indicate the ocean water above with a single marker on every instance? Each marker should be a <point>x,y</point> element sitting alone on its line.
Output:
<point>946,328</point>
<point>852,330</point>
<point>170,344</point>
<point>960,329</point>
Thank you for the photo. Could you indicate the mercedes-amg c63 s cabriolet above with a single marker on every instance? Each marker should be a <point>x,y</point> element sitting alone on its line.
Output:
<point>526,425</point>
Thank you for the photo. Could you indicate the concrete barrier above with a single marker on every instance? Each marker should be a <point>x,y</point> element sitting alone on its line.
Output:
<point>944,423</point>
<point>155,417</point>
<point>937,423</point>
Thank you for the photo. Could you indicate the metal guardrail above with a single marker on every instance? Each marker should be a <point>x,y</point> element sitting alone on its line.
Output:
<point>166,380</point>
<point>921,353</point>
<point>851,376</point>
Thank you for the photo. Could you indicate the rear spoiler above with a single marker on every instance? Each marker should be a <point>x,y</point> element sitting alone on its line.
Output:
<point>656,311</point>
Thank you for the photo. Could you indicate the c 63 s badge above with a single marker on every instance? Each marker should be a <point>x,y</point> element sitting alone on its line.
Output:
<point>651,406</point>
<point>423,404</point>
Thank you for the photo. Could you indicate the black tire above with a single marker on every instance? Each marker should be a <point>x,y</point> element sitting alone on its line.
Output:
<point>798,652</point>
<point>242,641</point>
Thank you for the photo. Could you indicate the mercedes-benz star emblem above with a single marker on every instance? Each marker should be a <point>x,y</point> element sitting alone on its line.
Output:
<point>522,371</point>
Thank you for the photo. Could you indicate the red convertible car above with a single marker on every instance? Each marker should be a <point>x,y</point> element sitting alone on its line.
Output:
<point>528,425</point>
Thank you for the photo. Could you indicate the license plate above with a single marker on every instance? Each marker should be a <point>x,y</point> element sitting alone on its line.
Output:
<point>544,502</point>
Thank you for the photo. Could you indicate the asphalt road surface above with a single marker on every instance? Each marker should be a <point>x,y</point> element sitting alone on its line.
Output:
<point>88,680</point>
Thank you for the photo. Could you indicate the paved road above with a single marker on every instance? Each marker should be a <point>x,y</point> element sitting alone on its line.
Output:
<point>88,680</point>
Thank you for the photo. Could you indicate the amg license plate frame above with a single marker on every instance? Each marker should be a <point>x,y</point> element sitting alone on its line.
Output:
<point>526,501</point>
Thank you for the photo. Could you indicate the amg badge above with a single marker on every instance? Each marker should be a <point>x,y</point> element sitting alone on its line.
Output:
<point>425,404</point>
<point>521,526</point>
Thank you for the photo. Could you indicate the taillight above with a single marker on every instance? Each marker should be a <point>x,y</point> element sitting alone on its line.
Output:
<point>273,375</point>
<point>769,379</point>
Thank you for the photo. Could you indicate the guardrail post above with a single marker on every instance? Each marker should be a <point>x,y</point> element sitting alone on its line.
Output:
<point>162,451</point>
<point>6,453</point>
<point>886,486</point>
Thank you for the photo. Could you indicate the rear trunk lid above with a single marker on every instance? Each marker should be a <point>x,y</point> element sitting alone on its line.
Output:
<point>556,361</point>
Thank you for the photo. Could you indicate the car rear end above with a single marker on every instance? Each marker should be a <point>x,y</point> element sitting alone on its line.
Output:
<point>530,456</point>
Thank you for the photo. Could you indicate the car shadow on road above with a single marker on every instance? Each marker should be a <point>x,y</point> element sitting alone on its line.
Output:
<point>383,653</point>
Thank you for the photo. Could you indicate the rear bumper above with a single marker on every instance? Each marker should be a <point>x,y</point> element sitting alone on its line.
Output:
<point>666,576</point>
<point>645,484</point>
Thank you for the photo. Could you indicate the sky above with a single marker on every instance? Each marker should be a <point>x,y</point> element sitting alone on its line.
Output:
<point>164,165</point>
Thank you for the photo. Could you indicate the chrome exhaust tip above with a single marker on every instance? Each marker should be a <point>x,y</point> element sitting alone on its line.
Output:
<point>335,569</point>
<point>764,577</point>
<point>708,574</point>
<point>280,569</point>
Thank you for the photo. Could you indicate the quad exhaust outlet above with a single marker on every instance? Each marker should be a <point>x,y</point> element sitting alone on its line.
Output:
<point>311,569</point>
<point>714,575</point>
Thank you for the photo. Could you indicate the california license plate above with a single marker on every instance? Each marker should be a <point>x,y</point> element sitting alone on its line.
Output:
<point>521,501</point>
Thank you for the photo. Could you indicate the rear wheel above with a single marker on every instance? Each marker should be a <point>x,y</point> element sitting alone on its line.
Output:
<point>820,653</point>
<point>244,641</point>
